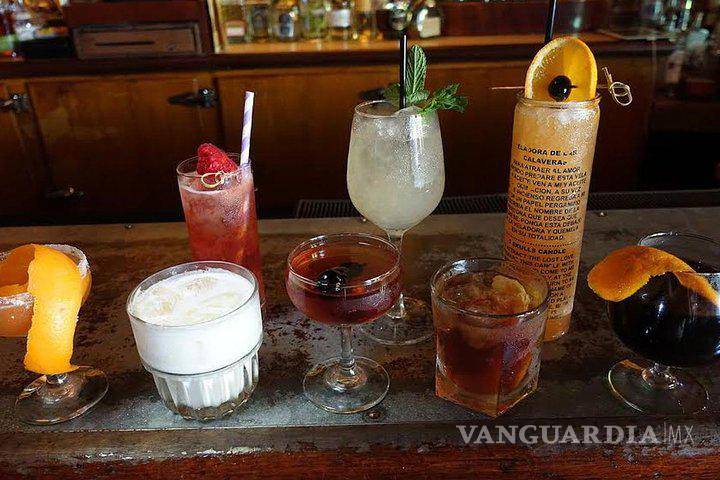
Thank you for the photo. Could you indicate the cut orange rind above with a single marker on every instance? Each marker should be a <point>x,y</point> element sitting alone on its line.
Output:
<point>53,289</point>
<point>564,56</point>
<point>628,269</point>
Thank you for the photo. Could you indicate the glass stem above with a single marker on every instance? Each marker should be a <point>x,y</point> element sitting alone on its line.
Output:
<point>398,310</point>
<point>347,359</point>
<point>659,377</point>
<point>56,380</point>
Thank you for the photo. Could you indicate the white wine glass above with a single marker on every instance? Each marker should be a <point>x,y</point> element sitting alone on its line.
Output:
<point>396,178</point>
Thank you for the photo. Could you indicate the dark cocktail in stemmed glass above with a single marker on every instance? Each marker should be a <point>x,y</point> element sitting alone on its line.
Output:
<point>344,280</point>
<point>672,319</point>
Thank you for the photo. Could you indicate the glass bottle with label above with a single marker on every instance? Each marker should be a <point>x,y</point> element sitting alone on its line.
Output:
<point>7,32</point>
<point>258,14</point>
<point>285,20</point>
<point>233,22</point>
<point>365,20</point>
<point>341,20</point>
<point>314,18</point>
<point>427,19</point>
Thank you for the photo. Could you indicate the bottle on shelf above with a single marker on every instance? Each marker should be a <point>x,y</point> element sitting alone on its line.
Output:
<point>426,19</point>
<point>258,14</point>
<point>7,32</point>
<point>285,20</point>
<point>233,22</point>
<point>314,18</point>
<point>365,20</point>
<point>341,20</point>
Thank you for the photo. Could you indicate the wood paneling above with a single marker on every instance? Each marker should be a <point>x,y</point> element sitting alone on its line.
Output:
<point>303,116</point>
<point>301,129</point>
<point>21,180</point>
<point>118,140</point>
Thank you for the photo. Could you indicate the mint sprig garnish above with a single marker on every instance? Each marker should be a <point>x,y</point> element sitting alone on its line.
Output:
<point>445,98</point>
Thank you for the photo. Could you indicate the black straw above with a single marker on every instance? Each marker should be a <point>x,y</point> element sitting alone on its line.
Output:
<point>550,20</point>
<point>403,68</point>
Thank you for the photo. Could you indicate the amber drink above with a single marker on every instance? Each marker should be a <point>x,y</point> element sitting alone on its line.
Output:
<point>551,160</point>
<point>489,322</point>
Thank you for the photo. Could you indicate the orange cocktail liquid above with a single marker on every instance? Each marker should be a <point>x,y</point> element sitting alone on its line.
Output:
<point>550,165</point>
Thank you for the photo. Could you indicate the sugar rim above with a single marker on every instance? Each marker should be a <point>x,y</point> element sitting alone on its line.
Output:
<point>25,298</point>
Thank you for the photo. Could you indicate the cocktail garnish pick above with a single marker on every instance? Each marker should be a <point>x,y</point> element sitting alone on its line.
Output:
<point>445,98</point>
<point>619,91</point>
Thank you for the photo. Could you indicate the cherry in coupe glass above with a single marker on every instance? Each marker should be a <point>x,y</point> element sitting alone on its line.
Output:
<point>344,280</point>
<point>672,326</point>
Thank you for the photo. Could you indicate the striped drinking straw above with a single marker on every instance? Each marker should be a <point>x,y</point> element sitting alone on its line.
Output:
<point>247,127</point>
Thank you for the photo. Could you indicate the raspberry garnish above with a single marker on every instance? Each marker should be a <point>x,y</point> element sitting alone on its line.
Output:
<point>211,159</point>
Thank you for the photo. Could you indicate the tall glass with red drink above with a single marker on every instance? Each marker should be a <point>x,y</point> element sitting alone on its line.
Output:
<point>220,215</point>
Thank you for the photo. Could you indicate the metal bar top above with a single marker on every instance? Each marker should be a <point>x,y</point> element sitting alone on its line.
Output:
<point>132,423</point>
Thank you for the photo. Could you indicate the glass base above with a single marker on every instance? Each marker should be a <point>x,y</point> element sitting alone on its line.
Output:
<point>54,399</point>
<point>415,326</point>
<point>326,385</point>
<point>681,395</point>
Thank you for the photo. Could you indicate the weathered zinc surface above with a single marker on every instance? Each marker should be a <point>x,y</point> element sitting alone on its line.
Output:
<point>132,424</point>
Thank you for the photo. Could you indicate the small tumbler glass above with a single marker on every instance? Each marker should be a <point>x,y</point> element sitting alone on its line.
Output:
<point>205,370</point>
<point>489,318</point>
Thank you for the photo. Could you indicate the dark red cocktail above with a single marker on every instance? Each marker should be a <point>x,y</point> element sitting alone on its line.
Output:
<point>344,280</point>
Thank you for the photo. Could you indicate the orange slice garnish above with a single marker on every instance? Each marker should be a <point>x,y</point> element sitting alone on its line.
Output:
<point>56,286</point>
<point>564,56</point>
<point>628,269</point>
<point>16,303</point>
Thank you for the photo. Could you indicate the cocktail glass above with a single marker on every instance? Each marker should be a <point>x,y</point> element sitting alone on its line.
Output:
<point>220,215</point>
<point>344,280</point>
<point>396,178</point>
<point>489,323</point>
<point>672,326</point>
<point>56,398</point>
<point>199,339</point>
<point>551,160</point>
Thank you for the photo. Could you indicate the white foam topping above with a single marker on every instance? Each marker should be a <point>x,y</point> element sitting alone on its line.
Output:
<point>192,297</point>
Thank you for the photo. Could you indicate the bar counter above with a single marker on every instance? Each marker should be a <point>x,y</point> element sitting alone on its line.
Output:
<point>327,53</point>
<point>411,434</point>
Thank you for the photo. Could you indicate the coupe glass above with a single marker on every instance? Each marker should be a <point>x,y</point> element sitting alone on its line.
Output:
<point>370,286</point>
<point>396,178</point>
<point>52,399</point>
<point>672,326</point>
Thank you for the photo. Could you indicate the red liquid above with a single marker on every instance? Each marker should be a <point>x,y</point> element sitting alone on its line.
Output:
<point>222,222</point>
<point>353,305</point>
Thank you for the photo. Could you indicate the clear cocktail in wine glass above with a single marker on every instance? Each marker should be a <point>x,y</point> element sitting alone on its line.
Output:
<point>396,178</point>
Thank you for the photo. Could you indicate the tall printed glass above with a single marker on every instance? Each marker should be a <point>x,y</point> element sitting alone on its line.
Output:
<point>551,161</point>
<point>396,178</point>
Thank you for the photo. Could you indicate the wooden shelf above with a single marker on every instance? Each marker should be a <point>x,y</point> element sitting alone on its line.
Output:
<point>309,53</point>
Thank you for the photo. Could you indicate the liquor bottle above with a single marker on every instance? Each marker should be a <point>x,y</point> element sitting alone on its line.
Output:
<point>7,32</point>
<point>233,22</point>
<point>258,14</point>
<point>426,19</point>
<point>341,20</point>
<point>365,20</point>
<point>314,18</point>
<point>285,20</point>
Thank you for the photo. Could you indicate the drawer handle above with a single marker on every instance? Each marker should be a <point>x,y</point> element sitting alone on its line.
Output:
<point>203,98</point>
<point>66,193</point>
<point>18,102</point>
